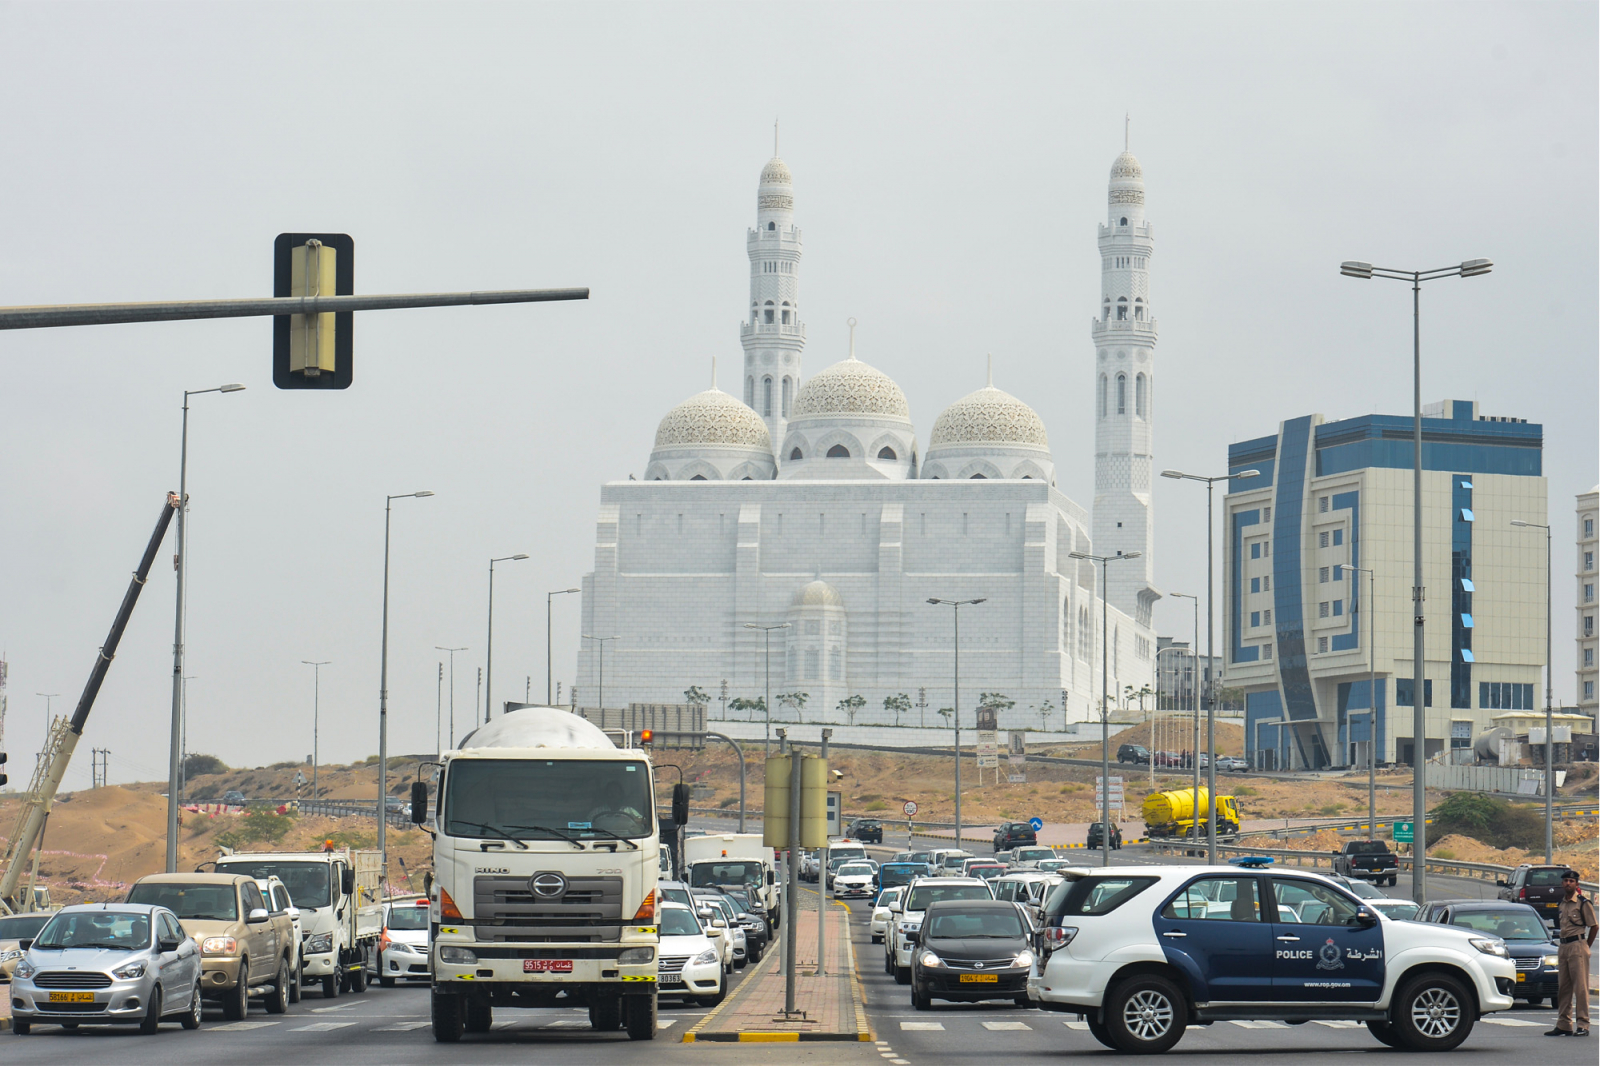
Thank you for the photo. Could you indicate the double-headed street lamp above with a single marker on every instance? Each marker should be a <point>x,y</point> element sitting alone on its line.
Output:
<point>1105,715</point>
<point>452,651</point>
<point>383,691</point>
<point>768,704</point>
<point>1471,268</point>
<point>1549,713</point>
<point>955,711</point>
<point>548,688</point>
<point>488,669</point>
<point>1211,689</point>
<point>316,717</point>
<point>602,642</point>
<point>175,743</point>
<point>1368,607</point>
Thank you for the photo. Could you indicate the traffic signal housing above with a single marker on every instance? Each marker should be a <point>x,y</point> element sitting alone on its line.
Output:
<point>3,777</point>
<point>313,351</point>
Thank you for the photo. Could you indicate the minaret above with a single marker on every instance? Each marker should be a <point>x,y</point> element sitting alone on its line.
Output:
<point>772,335</point>
<point>1124,393</point>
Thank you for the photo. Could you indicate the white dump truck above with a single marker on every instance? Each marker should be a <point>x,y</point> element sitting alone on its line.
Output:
<point>339,893</point>
<point>734,860</point>
<point>546,856</point>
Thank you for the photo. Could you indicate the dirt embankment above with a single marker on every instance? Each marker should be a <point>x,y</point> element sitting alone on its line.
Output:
<point>1575,841</point>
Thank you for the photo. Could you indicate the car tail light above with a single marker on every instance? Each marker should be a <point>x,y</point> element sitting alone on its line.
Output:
<point>1055,937</point>
<point>1522,893</point>
<point>448,911</point>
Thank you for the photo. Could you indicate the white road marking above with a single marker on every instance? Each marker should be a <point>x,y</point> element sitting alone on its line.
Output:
<point>1008,1027</point>
<point>403,1027</point>
<point>1082,1027</point>
<point>1261,1025</point>
<point>922,1027</point>
<point>322,1027</point>
<point>661,1023</point>
<point>1341,1024</point>
<point>899,1062</point>
<point>341,1006</point>
<point>238,1027</point>
<point>1511,1021</point>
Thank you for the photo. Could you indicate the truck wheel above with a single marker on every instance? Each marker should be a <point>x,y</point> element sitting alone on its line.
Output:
<point>277,1000</point>
<point>641,1014</point>
<point>1145,1015</point>
<point>330,986</point>
<point>448,1023</point>
<point>1432,1013</point>
<point>237,1004</point>
<point>480,1016</point>
<point>605,1015</point>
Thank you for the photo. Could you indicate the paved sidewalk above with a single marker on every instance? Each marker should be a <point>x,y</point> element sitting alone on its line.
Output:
<point>833,1005</point>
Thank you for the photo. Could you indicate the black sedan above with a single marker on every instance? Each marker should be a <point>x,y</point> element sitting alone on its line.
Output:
<point>1519,925</point>
<point>1097,835</point>
<point>866,830</point>
<point>970,950</point>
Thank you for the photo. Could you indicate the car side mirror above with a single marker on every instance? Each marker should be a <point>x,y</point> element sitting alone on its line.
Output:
<point>1503,884</point>
<point>347,883</point>
<point>1366,918</point>
<point>771,877</point>
<point>169,943</point>
<point>718,923</point>
<point>419,802</point>
<point>914,937</point>
<point>257,916</point>
<point>24,945</point>
<point>680,804</point>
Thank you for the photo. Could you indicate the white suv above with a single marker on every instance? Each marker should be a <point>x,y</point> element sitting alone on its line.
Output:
<point>1142,952</point>
<point>907,916</point>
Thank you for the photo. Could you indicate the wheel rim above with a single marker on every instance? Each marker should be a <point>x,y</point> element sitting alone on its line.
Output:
<point>1147,1015</point>
<point>1436,1012</point>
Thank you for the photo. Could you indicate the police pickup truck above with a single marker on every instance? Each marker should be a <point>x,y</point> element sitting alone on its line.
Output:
<point>1143,952</point>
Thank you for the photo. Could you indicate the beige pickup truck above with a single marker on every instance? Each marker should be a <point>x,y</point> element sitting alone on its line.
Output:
<point>245,945</point>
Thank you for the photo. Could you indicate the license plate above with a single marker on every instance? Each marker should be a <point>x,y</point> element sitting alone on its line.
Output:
<point>980,978</point>
<point>546,965</point>
<point>72,997</point>
<point>670,979</point>
<point>1521,977</point>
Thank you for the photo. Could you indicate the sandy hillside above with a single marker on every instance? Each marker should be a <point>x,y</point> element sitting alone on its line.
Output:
<point>1575,845</point>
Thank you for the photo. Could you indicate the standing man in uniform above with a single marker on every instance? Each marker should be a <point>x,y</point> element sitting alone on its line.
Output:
<point>1576,929</point>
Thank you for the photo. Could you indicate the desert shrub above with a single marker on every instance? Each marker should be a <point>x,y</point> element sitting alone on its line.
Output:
<point>1244,790</point>
<point>1441,853</point>
<point>292,764</point>
<point>1491,821</point>
<point>199,765</point>
<point>877,805</point>
<point>1332,808</point>
<point>259,825</point>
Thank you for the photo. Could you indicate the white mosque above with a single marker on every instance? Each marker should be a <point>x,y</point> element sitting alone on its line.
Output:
<point>807,505</point>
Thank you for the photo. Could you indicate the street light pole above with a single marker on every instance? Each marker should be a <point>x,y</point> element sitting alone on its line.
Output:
<point>316,718</point>
<point>602,698</point>
<point>383,693</point>
<point>488,670</point>
<point>768,702</point>
<point>1105,698</point>
<point>1194,687</point>
<point>1549,711</point>
<point>1211,658</point>
<point>180,559</point>
<point>1470,268</point>
<point>955,711</point>
<point>452,652</point>
<point>548,689</point>
<point>1372,693</point>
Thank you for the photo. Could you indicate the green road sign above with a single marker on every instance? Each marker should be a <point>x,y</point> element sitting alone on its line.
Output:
<point>1402,833</point>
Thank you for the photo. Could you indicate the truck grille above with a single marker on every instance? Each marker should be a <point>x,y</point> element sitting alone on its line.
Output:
<point>672,963</point>
<point>71,979</point>
<point>507,910</point>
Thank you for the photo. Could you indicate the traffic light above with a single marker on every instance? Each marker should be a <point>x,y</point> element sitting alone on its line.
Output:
<point>3,777</point>
<point>313,351</point>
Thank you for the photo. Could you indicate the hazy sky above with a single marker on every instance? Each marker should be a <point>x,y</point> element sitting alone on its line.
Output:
<point>950,166</point>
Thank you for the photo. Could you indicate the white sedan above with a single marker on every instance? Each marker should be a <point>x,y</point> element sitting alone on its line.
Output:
<point>690,965</point>
<point>882,915</point>
<point>403,948</point>
<point>854,879</point>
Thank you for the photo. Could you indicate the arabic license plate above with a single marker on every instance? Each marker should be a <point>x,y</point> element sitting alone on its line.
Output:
<point>980,978</point>
<point>1521,977</point>
<point>546,965</point>
<point>670,979</point>
<point>72,997</point>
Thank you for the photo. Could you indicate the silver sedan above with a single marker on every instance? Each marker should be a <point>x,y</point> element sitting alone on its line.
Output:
<point>108,964</point>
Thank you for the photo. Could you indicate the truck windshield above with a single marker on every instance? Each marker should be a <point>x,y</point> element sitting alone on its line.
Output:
<point>726,873</point>
<point>548,799</point>
<point>307,882</point>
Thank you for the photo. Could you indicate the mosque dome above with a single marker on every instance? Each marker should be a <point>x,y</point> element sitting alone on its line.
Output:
<point>988,416</point>
<point>1125,168</point>
<point>776,172</point>
<point>850,387</point>
<point>817,594</point>
<point>711,436</point>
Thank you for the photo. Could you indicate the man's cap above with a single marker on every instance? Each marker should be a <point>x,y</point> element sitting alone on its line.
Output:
<point>1569,875</point>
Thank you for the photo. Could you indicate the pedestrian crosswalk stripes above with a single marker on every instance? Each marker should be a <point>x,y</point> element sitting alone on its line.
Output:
<point>1511,1021</point>
<point>321,1027</point>
<point>1006,1027</point>
<point>238,1027</point>
<point>1340,1023</point>
<point>922,1027</point>
<point>403,1027</point>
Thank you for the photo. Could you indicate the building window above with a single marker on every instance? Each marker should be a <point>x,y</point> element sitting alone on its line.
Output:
<point>794,453</point>
<point>1138,310</point>
<point>887,453</point>
<point>1266,650</point>
<point>1588,656</point>
<point>766,396</point>
<point>1255,619</point>
<point>838,451</point>
<point>749,392</point>
<point>1588,625</point>
<point>835,664</point>
<point>785,316</point>
<point>1338,574</point>
<point>1102,395</point>
<point>1466,620</point>
<point>1338,537</point>
<point>1588,527</point>
<point>813,663</point>
<point>771,226</point>
<point>1322,575</point>
<point>1255,550</point>
<point>767,316</point>
<point>1266,514</point>
<point>1338,608</point>
<point>1588,560</point>
<point>1322,645</point>
<point>1588,691</point>
<point>1322,504</point>
<point>1323,609</point>
<point>1138,396</point>
<point>788,393</point>
<point>1266,583</point>
<point>1122,394</point>
<point>1322,539</point>
<point>1466,515</point>
<point>1588,593</point>
<point>1255,584</point>
<point>1266,618</point>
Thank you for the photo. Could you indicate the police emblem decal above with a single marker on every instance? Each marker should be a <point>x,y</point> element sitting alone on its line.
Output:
<point>1328,958</point>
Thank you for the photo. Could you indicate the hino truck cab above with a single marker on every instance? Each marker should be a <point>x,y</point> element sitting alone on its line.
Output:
<point>546,856</point>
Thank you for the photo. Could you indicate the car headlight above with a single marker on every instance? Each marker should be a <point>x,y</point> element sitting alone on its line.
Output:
<point>219,945</point>
<point>910,927</point>
<point>1552,960</point>
<point>129,972</point>
<point>25,970</point>
<point>457,956</point>
<point>1490,947</point>
<point>635,956</point>
<point>7,956</point>
<point>705,958</point>
<point>320,943</point>
<point>930,959</point>
<point>1024,958</point>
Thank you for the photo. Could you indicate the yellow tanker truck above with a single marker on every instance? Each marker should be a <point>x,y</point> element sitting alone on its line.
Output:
<point>1172,814</point>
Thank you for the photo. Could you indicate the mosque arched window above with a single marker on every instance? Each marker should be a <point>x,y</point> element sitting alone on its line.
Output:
<point>1105,311</point>
<point>786,312</point>
<point>1138,396</point>
<point>887,452</point>
<point>1124,221</point>
<point>766,396</point>
<point>1102,395</point>
<point>1138,310</point>
<point>698,477</point>
<point>774,225</point>
<point>1122,310</point>
<point>794,454</point>
<point>977,477</point>
<point>1122,394</point>
<point>838,451</point>
<point>788,391</point>
<point>767,316</point>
